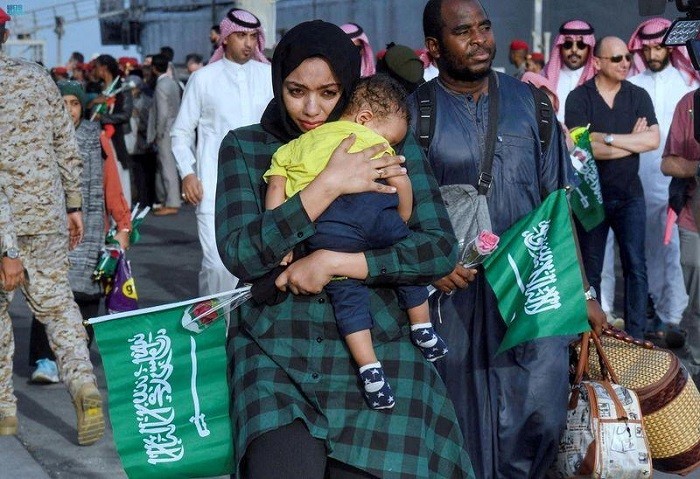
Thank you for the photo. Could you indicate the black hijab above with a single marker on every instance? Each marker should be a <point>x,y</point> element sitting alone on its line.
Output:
<point>310,39</point>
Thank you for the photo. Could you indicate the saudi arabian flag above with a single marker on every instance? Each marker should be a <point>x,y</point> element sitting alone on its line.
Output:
<point>536,275</point>
<point>586,199</point>
<point>167,382</point>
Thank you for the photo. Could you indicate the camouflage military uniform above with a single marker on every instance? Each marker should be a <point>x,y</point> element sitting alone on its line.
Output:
<point>40,169</point>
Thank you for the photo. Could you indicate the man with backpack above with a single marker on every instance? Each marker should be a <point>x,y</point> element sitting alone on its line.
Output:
<point>511,406</point>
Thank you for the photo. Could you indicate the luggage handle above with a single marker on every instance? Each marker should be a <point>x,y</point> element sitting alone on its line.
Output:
<point>606,369</point>
<point>622,336</point>
<point>582,367</point>
<point>605,366</point>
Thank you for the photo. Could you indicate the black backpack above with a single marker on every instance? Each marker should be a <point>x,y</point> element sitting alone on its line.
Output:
<point>425,95</point>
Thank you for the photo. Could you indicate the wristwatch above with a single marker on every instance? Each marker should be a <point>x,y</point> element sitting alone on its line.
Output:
<point>11,252</point>
<point>590,294</point>
<point>608,139</point>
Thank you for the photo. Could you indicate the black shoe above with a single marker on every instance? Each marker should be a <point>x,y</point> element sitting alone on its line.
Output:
<point>667,336</point>
<point>675,337</point>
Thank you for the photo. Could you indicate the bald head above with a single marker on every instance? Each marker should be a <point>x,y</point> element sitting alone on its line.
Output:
<point>612,59</point>
<point>603,47</point>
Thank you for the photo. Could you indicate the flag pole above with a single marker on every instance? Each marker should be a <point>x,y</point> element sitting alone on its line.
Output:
<point>237,294</point>
<point>569,189</point>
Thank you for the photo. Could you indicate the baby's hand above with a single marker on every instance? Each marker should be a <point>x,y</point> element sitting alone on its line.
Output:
<point>288,258</point>
<point>398,181</point>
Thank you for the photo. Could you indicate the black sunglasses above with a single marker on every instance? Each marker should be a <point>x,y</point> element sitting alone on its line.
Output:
<point>618,58</point>
<point>579,44</point>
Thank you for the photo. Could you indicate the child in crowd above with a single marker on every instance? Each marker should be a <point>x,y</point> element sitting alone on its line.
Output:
<point>377,113</point>
<point>102,191</point>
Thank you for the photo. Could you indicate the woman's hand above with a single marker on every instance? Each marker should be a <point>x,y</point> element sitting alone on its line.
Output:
<point>459,278</point>
<point>358,172</point>
<point>348,173</point>
<point>307,275</point>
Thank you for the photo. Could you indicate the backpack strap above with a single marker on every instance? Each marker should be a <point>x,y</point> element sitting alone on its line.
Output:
<point>425,93</point>
<point>485,178</point>
<point>545,116</point>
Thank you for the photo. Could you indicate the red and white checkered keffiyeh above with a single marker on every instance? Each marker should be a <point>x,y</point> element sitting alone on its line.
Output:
<point>651,32</point>
<point>355,32</point>
<point>243,21</point>
<point>572,29</point>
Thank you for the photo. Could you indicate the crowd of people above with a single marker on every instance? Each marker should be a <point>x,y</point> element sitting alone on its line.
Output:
<point>306,173</point>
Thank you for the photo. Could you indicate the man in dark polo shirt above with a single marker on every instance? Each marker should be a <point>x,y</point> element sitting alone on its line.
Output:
<point>623,125</point>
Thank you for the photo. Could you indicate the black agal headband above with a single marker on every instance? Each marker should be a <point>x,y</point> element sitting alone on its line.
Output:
<point>576,31</point>
<point>652,36</point>
<point>359,31</point>
<point>231,16</point>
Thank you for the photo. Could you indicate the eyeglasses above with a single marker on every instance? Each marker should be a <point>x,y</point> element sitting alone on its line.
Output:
<point>579,44</point>
<point>618,58</point>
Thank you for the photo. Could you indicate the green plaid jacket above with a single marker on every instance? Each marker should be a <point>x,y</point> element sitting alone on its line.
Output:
<point>288,361</point>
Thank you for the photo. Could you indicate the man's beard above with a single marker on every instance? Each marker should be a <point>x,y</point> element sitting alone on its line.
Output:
<point>661,65</point>
<point>463,74</point>
<point>572,67</point>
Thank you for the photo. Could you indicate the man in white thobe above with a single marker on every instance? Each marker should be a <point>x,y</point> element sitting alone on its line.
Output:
<point>231,91</point>
<point>571,62</point>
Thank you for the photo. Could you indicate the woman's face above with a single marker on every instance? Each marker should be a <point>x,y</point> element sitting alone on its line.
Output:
<point>310,93</point>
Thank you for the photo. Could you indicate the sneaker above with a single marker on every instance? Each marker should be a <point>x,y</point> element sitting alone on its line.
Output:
<point>88,408</point>
<point>46,372</point>
<point>377,392</point>
<point>8,422</point>
<point>675,337</point>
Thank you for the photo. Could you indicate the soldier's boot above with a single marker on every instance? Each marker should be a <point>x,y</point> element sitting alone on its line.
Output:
<point>8,422</point>
<point>88,408</point>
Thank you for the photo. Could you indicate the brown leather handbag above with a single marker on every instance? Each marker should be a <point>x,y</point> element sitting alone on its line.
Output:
<point>669,398</point>
<point>604,436</point>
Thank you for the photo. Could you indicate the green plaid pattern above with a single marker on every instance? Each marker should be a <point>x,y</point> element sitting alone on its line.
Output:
<point>288,361</point>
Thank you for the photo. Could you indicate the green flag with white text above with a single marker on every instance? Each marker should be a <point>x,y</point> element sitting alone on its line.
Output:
<point>587,198</point>
<point>536,275</point>
<point>168,388</point>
